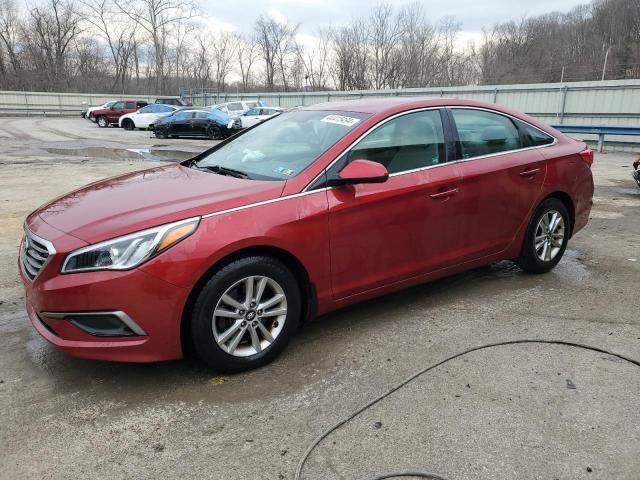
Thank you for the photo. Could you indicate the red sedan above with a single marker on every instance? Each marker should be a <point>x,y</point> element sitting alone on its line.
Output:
<point>315,209</point>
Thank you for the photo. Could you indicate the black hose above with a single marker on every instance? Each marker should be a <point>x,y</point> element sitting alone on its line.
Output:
<point>316,442</point>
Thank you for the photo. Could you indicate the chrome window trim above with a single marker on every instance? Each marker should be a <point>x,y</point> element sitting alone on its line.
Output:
<point>49,246</point>
<point>123,317</point>
<point>347,149</point>
<point>306,191</point>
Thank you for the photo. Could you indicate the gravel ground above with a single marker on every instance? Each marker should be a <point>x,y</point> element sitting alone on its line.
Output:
<point>526,411</point>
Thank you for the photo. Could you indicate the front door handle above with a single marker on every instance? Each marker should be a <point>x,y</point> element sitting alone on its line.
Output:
<point>530,173</point>
<point>445,194</point>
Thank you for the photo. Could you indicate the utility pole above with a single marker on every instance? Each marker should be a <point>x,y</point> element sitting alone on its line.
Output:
<point>562,75</point>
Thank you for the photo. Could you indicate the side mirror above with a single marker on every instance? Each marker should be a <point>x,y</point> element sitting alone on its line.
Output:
<point>361,171</point>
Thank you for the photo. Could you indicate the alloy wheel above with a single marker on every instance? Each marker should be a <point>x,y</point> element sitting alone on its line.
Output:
<point>213,132</point>
<point>550,234</point>
<point>249,316</point>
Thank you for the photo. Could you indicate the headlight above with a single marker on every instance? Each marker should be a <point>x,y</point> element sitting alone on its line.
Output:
<point>126,252</point>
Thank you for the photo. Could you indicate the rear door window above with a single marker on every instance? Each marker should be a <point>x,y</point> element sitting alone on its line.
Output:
<point>129,105</point>
<point>484,133</point>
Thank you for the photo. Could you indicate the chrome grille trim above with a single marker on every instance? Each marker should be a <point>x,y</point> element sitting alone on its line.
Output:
<point>35,254</point>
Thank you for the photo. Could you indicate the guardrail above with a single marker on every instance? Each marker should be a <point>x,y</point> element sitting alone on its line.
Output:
<point>600,131</point>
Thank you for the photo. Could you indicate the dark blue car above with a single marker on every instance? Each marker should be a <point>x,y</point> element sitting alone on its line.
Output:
<point>197,122</point>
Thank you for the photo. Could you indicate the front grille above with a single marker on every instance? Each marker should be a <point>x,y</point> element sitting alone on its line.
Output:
<point>36,253</point>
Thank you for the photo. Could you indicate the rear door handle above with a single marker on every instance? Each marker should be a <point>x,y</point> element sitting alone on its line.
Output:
<point>529,173</point>
<point>445,194</point>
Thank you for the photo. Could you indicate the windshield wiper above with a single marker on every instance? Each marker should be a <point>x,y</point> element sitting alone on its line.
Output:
<point>224,171</point>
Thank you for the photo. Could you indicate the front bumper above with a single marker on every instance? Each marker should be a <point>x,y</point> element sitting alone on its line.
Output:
<point>154,305</point>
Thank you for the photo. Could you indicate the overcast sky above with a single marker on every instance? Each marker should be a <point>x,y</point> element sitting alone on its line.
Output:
<point>473,14</point>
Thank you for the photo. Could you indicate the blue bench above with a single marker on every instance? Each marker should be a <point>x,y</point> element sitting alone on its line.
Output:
<point>600,130</point>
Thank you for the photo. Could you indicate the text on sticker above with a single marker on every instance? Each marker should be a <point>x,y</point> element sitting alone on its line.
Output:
<point>341,120</point>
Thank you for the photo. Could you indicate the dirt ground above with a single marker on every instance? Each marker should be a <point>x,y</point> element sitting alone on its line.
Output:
<point>521,411</point>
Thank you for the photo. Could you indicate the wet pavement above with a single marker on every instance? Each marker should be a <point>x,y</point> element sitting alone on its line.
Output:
<point>527,411</point>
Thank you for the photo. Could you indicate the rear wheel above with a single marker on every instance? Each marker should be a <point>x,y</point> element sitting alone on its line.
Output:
<point>128,124</point>
<point>102,121</point>
<point>245,314</point>
<point>546,237</point>
<point>214,132</point>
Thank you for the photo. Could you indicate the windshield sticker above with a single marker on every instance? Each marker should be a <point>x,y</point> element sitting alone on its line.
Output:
<point>341,120</point>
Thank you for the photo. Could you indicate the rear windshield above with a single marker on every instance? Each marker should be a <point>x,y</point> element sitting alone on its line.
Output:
<point>285,145</point>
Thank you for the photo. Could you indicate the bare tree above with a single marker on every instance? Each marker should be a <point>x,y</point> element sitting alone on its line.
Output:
<point>54,26</point>
<point>351,55</point>
<point>385,34</point>
<point>223,50</point>
<point>10,25</point>
<point>315,61</point>
<point>156,18</point>
<point>118,33</point>
<point>419,52</point>
<point>247,49</point>
<point>277,47</point>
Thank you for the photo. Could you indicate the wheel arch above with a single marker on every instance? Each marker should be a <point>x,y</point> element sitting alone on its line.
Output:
<point>568,203</point>
<point>307,290</point>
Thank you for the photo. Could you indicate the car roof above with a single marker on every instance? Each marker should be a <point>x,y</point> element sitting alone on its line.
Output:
<point>382,104</point>
<point>381,107</point>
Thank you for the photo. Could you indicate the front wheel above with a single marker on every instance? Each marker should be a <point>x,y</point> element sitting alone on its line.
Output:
<point>245,314</point>
<point>546,237</point>
<point>102,121</point>
<point>160,132</point>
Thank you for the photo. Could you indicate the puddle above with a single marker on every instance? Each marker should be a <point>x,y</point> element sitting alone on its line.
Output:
<point>571,268</point>
<point>156,153</point>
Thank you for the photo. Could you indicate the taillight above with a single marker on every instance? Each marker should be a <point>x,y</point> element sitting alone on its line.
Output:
<point>587,156</point>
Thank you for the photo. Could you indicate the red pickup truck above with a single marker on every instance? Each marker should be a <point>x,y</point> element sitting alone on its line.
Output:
<point>110,116</point>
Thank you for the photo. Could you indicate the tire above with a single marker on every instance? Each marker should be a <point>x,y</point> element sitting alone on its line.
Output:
<point>213,335</point>
<point>128,124</point>
<point>102,121</point>
<point>160,132</point>
<point>542,248</point>
<point>214,132</point>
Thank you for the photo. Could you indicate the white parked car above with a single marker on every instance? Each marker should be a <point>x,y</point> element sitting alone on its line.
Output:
<point>146,116</point>
<point>258,114</point>
<point>235,109</point>
<point>88,115</point>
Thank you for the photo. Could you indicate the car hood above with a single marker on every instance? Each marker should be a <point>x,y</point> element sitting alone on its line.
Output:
<point>148,198</point>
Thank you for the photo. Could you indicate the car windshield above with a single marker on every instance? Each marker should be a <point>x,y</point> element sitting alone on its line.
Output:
<point>285,145</point>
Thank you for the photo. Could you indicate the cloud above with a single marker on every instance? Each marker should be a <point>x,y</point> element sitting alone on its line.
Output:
<point>216,25</point>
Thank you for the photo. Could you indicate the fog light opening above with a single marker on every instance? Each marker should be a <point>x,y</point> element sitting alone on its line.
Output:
<point>101,324</point>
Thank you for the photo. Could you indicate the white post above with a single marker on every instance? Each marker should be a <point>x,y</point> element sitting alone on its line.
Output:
<point>604,66</point>
<point>600,142</point>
